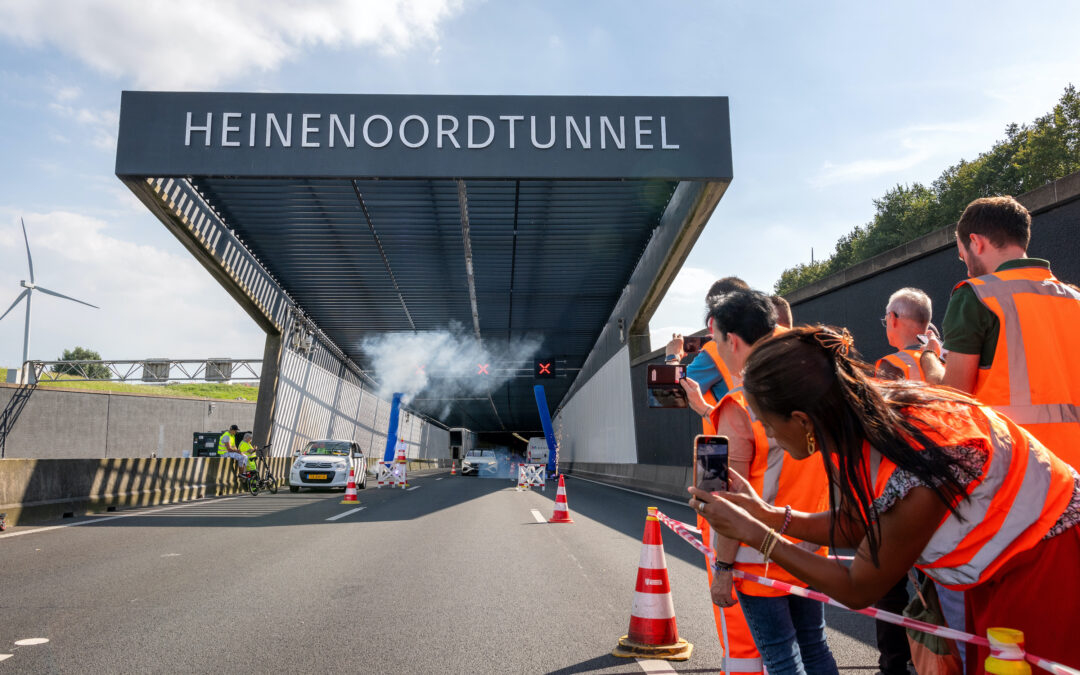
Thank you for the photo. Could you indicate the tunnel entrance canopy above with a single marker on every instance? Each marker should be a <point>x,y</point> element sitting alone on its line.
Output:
<point>560,218</point>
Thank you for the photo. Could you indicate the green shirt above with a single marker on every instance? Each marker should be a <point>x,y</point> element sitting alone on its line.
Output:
<point>969,327</point>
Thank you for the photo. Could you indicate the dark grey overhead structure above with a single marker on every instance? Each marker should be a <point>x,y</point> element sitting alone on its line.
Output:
<point>510,216</point>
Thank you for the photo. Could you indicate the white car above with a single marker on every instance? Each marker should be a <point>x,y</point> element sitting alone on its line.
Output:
<point>326,463</point>
<point>480,463</point>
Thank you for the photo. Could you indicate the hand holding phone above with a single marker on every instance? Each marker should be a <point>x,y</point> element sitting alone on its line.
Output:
<point>711,463</point>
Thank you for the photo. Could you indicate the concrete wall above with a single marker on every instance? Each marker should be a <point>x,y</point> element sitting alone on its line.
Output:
<point>58,423</point>
<point>38,490</point>
<point>597,423</point>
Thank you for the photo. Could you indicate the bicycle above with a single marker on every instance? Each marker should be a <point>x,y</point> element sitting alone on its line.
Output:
<point>264,479</point>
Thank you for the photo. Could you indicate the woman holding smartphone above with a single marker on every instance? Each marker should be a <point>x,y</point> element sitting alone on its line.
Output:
<point>921,476</point>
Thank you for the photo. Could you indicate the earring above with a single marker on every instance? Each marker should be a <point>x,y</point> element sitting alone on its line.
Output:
<point>811,444</point>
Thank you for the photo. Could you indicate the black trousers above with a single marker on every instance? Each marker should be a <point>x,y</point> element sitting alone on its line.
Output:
<point>892,639</point>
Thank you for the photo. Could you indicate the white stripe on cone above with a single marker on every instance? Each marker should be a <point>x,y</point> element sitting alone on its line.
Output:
<point>652,606</point>
<point>652,557</point>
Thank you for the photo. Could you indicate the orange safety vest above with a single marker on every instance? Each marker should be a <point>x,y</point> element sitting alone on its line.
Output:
<point>1035,376</point>
<point>779,480</point>
<point>907,362</point>
<point>709,348</point>
<point>1022,492</point>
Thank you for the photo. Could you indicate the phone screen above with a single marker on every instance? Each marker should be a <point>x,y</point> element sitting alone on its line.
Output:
<point>693,344</point>
<point>711,463</point>
<point>664,390</point>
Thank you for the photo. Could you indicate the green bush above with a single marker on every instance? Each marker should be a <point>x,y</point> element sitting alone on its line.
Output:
<point>1028,157</point>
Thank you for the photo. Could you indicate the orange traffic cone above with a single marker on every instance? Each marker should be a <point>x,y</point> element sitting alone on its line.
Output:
<point>562,512</point>
<point>453,467</point>
<point>350,489</point>
<point>653,634</point>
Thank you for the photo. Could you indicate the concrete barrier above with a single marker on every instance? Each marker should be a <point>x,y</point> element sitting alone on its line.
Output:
<point>38,490</point>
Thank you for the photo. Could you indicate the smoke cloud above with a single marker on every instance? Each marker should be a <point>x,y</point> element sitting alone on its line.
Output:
<point>432,368</point>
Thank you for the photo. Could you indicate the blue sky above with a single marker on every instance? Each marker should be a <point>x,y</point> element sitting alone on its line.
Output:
<point>831,104</point>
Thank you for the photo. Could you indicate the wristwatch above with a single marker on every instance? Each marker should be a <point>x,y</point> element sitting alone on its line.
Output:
<point>719,566</point>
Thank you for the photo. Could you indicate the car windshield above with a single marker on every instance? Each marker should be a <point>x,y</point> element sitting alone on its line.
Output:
<point>337,448</point>
<point>480,453</point>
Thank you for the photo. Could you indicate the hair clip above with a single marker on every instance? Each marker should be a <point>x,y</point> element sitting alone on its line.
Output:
<point>837,343</point>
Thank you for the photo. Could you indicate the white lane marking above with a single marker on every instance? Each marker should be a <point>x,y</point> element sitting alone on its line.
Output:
<point>439,478</point>
<point>655,666</point>
<point>644,494</point>
<point>349,512</point>
<point>124,515</point>
<point>27,642</point>
<point>169,555</point>
<point>415,487</point>
<point>4,657</point>
<point>538,516</point>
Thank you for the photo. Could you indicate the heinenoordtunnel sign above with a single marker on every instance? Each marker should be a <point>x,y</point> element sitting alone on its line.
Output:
<point>358,136</point>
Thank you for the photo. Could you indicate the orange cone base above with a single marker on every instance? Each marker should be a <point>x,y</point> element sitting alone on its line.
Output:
<point>628,649</point>
<point>561,517</point>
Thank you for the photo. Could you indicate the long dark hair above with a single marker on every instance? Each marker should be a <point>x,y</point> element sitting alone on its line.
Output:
<point>814,370</point>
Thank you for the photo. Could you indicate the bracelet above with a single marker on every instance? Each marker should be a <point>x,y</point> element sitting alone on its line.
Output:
<point>787,520</point>
<point>767,546</point>
<point>708,412</point>
<point>671,357</point>
<point>720,566</point>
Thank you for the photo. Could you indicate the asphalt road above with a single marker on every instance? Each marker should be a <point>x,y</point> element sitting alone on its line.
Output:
<point>454,576</point>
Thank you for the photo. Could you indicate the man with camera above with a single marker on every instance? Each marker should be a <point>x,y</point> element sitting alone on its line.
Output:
<point>788,631</point>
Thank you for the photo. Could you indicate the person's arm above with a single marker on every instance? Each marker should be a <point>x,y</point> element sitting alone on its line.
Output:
<point>694,397</point>
<point>731,422</point>
<point>961,371</point>
<point>906,529</point>
<point>673,352</point>
<point>815,528</point>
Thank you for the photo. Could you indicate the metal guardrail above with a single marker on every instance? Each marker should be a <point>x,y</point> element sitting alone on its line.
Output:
<point>148,371</point>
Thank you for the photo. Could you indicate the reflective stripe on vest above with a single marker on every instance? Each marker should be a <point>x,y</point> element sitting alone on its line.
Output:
<point>1041,354</point>
<point>709,348</point>
<point>907,362</point>
<point>1020,495</point>
<point>779,480</point>
<point>742,665</point>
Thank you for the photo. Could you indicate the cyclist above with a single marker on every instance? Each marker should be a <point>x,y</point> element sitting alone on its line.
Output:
<point>247,449</point>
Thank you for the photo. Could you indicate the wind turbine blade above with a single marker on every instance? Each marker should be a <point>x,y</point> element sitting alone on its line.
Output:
<point>17,301</point>
<point>61,295</point>
<point>29,260</point>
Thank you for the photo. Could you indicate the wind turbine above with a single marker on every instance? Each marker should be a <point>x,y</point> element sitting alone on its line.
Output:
<point>27,294</point>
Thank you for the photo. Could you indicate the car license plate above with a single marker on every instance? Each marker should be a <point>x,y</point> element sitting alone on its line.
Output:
<point>316,476</point>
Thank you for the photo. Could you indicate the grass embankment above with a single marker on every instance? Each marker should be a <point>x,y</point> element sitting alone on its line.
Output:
<point>230,392</point>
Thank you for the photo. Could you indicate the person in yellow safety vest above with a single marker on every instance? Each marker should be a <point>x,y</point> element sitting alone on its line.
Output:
<point>713,378</point>
<point>788,631</point>
<point>226,447</point>
<point>1010,329</point>
<point>248,451</point>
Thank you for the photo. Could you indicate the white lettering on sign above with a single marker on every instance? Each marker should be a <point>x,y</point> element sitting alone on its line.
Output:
<point>332,130</point>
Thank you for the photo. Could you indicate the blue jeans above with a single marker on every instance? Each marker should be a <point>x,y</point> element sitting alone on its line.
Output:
<point>790,634</point>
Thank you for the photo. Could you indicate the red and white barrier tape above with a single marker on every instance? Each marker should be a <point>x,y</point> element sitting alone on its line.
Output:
<point>685,531</point>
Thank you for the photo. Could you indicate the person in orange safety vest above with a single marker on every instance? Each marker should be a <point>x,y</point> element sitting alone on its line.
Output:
<point>788,631</point>
<point>709,371</point>
<point>1010,329</point>
<point>920,475</point>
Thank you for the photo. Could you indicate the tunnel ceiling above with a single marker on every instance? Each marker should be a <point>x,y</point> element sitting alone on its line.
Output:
<point>369,240</point>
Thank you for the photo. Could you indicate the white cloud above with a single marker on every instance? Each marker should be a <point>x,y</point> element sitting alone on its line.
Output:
<point>153,302</point>
<point>915,153</point>
<point>201,44</point>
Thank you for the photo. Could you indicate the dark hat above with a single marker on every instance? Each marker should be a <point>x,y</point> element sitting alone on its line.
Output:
<point>234,428</point>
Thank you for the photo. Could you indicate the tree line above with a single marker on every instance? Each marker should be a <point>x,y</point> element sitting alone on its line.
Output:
<point>1030,155</point>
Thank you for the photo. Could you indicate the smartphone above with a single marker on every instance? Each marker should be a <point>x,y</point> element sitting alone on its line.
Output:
<point>692,344</point>
<point>663,388</point>
<point>711,463</point>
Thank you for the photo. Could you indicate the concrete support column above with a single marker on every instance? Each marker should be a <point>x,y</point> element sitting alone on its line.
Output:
<point>268,384</point>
